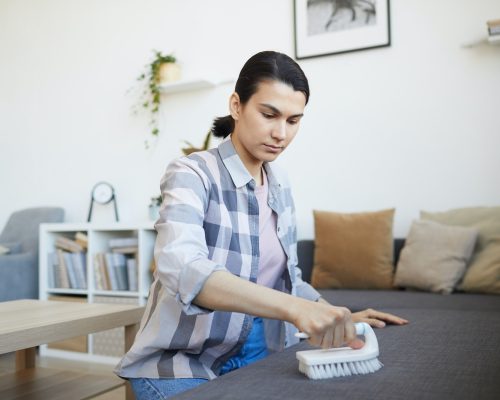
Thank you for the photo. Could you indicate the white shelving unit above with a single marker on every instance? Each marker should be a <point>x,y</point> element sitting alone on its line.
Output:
<point>98,239</point>
<point>191,84</point>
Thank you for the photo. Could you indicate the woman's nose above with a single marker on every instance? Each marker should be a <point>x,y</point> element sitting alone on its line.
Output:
<point>279,131</point>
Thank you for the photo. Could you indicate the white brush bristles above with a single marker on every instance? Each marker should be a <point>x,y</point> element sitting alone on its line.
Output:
<point>336,370</point>
<point>339,362</point>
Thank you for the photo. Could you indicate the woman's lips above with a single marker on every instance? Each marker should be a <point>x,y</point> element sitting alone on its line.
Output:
<point>273,149</point>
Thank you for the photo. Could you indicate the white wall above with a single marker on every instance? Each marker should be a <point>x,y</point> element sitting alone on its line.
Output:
<point>412,126</point>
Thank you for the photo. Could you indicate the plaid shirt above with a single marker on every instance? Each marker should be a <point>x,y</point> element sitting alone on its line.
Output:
<point>209,222</point>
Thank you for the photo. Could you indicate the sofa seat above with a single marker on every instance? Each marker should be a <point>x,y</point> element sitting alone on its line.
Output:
<point>357,300</point>
<point>449,350</point>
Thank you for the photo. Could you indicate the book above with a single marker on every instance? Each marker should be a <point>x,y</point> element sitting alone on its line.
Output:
<point>98,277</point>
<point>51,270</point>
<point>82,239</point>
<point>67,244</point>
<point>106,280</point>
<point>79,261</point>
<point>125,250</point>
<point>113,279</point>
<point>132,274</point>
<point>70,268</point>
<point>120,265</point>
<point>62,271</point>
<point>123,242</point>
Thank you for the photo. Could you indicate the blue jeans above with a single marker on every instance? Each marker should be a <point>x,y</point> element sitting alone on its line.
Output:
<point>159,389</point>
<point>253,349</point>
<point>162,388</point>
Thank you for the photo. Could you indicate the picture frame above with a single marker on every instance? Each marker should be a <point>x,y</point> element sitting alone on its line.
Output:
<point>327,27</point>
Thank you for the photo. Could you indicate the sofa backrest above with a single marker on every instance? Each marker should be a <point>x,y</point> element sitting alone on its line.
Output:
<point>305,253</point>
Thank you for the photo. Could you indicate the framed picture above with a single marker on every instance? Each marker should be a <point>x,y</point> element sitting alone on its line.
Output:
<point>324,27</point>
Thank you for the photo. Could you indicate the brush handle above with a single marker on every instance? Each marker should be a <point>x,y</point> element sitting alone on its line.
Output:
<point>361,329</point>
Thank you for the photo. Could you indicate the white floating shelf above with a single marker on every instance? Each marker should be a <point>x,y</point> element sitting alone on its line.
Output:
<point>190,85</point>
<point>493,40</point>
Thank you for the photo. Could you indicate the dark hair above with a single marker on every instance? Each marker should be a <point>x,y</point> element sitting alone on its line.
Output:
<point>263,66</point>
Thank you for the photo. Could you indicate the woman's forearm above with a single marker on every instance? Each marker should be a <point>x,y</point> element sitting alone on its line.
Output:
<point>326,325</point>
<point>224,291</point>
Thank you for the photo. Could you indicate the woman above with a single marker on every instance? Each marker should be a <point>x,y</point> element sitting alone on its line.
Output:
<point>227,290</point>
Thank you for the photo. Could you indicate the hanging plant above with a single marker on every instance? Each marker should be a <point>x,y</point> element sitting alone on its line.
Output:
<point>153,75</point>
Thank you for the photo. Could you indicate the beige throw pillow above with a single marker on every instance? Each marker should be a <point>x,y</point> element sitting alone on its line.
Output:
<point>435,256</point>
<point>353,251</point>
<point>483,273</point>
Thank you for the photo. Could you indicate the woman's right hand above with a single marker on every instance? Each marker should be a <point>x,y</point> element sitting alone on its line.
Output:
<point>327,326</point>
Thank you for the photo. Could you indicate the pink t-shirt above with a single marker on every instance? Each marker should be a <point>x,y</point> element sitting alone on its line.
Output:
<point>272,260</point>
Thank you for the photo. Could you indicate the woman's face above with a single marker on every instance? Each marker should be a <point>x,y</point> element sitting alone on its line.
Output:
<point>267,123</point>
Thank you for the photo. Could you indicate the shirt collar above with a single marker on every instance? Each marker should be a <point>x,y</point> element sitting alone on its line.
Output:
<point>237,170</point>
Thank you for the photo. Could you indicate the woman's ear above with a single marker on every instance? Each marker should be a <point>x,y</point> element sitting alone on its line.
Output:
<point>234,105</point>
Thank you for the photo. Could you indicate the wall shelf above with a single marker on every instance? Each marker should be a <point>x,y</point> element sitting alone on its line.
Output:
<point>491,40</point>
<point>191,85</point>
<point>494,40</point>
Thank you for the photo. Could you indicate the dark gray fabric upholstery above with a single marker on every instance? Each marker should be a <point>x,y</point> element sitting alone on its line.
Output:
<point>441,354</point>
<point>19,272</point>
<point>449,350</point>
<point>357,300</point>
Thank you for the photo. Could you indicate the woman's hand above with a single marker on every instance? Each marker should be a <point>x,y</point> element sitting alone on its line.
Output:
<point>377,319</point>
<point>327,326</point>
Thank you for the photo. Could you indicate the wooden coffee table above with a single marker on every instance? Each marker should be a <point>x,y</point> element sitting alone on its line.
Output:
<point>26,324</point>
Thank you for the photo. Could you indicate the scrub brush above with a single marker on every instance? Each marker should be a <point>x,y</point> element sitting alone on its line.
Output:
<point>343,361</point>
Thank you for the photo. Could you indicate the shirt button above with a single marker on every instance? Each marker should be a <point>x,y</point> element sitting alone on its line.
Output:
<point>279,228</point>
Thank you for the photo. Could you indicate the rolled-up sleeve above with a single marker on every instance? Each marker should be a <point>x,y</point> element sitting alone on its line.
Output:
<point>181,252</point>
<point>304,289</point>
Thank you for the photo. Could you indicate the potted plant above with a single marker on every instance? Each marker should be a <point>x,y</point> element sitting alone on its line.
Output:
<point>191,148</point>
<point>161,69</point>
<point>154,207</point>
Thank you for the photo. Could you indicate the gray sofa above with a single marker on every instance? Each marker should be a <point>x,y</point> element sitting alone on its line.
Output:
<point>449,350</point>
<point>19,268</point>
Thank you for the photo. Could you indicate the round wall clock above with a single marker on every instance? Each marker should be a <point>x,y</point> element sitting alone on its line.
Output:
<point>102,193</point>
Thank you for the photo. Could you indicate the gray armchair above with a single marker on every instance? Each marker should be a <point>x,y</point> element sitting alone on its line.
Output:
<point>19,268</point>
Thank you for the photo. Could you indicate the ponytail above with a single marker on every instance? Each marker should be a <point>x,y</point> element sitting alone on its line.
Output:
<point>223,126</point>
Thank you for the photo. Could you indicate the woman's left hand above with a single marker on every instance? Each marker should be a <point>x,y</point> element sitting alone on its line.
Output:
<point>376,318</point>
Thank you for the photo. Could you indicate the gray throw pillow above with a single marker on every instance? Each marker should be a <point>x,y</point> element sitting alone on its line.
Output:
<point>483,273</point>
<point>435,256</point>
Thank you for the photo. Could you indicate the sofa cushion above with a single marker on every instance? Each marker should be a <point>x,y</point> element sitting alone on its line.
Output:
<point>353,250</point>
<point>435,256</point>
<point>483,272</point>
